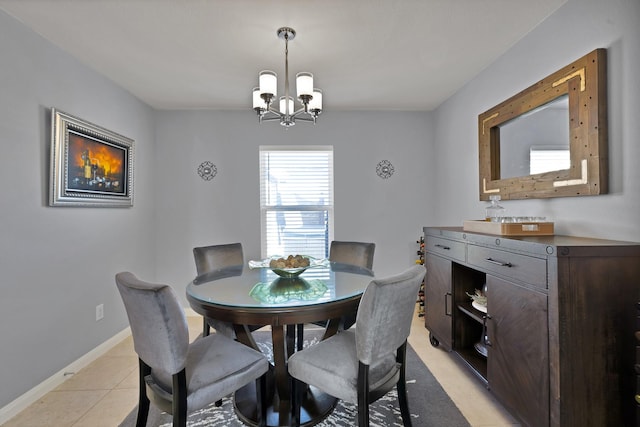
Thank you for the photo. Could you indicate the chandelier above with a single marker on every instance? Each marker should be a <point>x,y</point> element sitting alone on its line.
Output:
<point>264,96</point>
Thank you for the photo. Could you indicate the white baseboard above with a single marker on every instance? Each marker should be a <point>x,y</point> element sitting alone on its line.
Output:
<point>25,400</point>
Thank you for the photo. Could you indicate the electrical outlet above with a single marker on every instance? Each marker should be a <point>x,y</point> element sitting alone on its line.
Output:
<point>99,312</point>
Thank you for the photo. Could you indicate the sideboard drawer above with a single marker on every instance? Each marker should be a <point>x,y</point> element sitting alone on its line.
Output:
<point>446,248</point>
<point>524,268</point>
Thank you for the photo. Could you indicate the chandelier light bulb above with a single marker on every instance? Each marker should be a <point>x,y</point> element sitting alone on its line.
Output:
<point>304,85</point>
<point>268,83</point>
<point>258,102</point>
<point>315,105</point>
<point>283,105</point>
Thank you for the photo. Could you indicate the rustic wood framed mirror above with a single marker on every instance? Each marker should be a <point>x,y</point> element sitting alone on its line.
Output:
<point>562,117</point>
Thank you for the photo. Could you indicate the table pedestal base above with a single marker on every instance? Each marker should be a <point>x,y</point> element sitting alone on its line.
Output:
<point>316,406</point>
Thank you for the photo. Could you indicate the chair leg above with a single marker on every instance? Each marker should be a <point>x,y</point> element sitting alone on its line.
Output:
<point>206,329</point>
<point>261,396</point>
<point>290,340</point>
<point>297,388</point>
<point>180,399</point>
<point>363,395</point>
<point>403,401</point>
<point>143,399</point>
<point>299,336</point>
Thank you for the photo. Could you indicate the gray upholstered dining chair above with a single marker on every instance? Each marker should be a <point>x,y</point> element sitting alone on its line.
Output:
<point>215,257</point>
<point>209,258</point>
<point>352,253</point>
<point>178,376</point>
<point>359,254</point>
<point>362,364</point>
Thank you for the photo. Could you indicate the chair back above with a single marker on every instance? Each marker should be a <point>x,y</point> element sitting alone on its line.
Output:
<point>158,323</point>
<point>385,313</point>
<point>352,253</point>
<point>209,258</point>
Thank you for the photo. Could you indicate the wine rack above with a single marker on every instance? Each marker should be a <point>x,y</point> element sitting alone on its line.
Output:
<point>420,260</point>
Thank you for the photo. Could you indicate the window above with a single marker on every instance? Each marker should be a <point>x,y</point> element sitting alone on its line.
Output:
<point>545,159</point>
<point>296,200</point>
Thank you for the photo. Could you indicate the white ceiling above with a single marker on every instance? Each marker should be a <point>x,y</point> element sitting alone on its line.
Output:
<point>364,54</point>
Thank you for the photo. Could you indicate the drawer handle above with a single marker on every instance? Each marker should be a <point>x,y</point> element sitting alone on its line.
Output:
<point>485,335</point>
<point>500,263</point>
<point>446,248</point>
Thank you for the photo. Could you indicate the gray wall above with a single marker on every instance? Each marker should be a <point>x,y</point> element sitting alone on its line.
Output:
<point>575,29</point>
<point>192,212</point>
<point>57,264</point>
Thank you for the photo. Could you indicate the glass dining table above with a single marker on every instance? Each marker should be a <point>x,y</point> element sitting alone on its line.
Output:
<point>252,297</point>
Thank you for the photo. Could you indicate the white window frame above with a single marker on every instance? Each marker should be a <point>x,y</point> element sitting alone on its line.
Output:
<point>269,204</point>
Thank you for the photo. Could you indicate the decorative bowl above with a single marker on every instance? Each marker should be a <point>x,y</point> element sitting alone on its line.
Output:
<point>289,272</point>
<point>292,272</point>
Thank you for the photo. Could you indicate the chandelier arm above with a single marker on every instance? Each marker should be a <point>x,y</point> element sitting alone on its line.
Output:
<point>305,119</point>
<point>270,119</point>
<point>297,113</point>
<point>274,111</point>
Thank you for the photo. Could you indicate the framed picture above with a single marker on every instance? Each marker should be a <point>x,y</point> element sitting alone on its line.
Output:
<point>90,165</point>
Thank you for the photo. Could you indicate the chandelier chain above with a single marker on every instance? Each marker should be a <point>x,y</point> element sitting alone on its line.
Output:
<point>286,74</point>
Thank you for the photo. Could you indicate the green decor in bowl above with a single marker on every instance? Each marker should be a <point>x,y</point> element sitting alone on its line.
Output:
<point>289,272</point>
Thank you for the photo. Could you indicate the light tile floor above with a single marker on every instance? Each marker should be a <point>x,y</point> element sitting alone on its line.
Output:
<point>103,393</point>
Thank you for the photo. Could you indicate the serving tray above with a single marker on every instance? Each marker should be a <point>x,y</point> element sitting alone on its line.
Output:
<point>524,228</point>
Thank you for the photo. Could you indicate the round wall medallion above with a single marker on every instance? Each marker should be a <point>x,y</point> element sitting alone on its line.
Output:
<point>207,170</point>
<point>385,169</point>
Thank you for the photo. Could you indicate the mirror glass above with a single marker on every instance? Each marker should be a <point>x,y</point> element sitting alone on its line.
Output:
<point>537,141</point>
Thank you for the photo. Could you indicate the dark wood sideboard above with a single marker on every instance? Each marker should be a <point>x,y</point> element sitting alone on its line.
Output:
<point>556,345</point>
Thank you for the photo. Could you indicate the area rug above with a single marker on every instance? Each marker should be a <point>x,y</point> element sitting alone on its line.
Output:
<point>429,404</point>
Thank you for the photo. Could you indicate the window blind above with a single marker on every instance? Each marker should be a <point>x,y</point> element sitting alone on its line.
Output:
<point>296,200</point>
<point>546,159</point>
